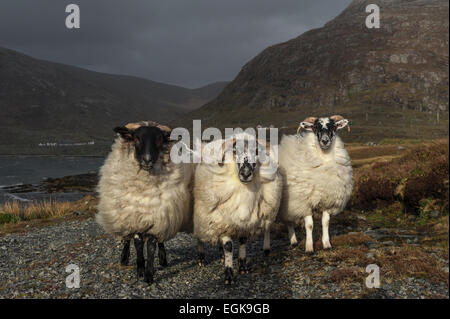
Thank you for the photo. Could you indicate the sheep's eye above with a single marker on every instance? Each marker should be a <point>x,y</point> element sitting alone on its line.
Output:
<point>136,140</point>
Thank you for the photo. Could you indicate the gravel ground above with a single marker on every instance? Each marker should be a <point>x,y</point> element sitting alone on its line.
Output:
<point>33,263</point>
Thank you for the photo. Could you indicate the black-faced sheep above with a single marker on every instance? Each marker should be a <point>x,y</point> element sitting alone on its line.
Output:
<point>143,194</point>
<point>317,175</point>
<point>235,199</point>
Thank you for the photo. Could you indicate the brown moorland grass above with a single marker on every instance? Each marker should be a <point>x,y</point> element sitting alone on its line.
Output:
<point>422,172</point>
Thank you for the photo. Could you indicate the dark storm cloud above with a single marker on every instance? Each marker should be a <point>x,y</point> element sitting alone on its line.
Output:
<point>184,42</point>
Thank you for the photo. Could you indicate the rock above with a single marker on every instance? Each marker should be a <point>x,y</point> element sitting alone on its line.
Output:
<point>371,244</point>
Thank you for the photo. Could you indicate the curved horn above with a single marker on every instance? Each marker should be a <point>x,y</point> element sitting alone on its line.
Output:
<point>135,126</point>
<point>337,118</point>
<point>310,119</point>
<point>163,128</point>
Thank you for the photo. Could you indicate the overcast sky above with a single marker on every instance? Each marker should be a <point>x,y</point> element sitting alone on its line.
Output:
<point>185,42</point>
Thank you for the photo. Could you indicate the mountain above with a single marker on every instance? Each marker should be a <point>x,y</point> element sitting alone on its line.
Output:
<point>42,102</point>
<point>391,81</point>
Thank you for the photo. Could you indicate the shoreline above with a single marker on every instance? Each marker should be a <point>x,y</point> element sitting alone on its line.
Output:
<point>50,155</point>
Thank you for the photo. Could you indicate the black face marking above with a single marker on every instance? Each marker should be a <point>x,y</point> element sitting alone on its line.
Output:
<point>149,143</point>
<point>228,246</point>
<point>325,129</point>
<point>246,161</point>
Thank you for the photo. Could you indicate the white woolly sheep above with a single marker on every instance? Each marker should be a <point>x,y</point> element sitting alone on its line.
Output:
<point>317,176</point>
<point>235,199</point>
<point>143,194</point>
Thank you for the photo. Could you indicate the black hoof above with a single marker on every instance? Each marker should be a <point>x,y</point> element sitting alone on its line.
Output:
<point>148,277</point>
<point>125,255</point>
<point>124,260</point>
<point>201,260</point>
<point>140,271</point>
<point>293,246</point>
<point>228,276</point>
<point>327,248</point>
<point>243,267</point>
<point>163,263</point>
<point>266,252</point>
<point>309,253</point>
<point>162,256</point>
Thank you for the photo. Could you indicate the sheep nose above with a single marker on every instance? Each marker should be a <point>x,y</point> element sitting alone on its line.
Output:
<point>246,172</point>
<point>147,158</point>
<point>325,142</point>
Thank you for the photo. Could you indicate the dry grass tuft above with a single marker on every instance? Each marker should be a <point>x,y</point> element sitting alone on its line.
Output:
<point>14,212</point>
<point>25,212</point>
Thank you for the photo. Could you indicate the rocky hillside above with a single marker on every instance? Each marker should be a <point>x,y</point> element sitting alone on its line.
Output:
<point>391,77</point>
<point>42,101</point>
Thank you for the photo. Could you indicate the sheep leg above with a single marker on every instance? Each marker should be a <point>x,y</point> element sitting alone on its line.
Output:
<point>140,261</point>
<point>162,256</point>
<point>266,245</point>
<point>222,256</point>
<point>309,223</point>
<point>292,237</point>
<point>325,236</point>
<point>201,253</point>
<point>228,252</point>
<point>149,267</point>
<point>242,260</point>
<point>125,256</point>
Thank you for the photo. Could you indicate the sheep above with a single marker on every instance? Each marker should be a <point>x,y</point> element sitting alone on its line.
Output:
<point>235,199</point>
<point>318,176</point>
<point>143,194</point>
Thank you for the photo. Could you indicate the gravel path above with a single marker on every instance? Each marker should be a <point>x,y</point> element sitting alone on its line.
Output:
<point>32,265</point>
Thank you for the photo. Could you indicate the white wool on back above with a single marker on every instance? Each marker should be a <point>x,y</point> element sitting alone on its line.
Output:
<point>134,201</point>
<point>314,180</point>
<point>224,206</point>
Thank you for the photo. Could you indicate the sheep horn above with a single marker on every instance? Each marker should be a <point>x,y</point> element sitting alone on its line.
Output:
<point>337,118</point>
<point>310,119</point>
<point>135,126</point>
<point>163,128</point>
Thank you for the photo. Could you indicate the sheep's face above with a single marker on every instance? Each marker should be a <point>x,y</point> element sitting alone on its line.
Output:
<point>246,158</point>
<point>148,141</point>
<point>324,128</point>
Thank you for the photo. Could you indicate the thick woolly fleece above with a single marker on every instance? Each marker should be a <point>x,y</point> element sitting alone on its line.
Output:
<point>226,207</point>
<point>136,201</point>
<point>314,180</point>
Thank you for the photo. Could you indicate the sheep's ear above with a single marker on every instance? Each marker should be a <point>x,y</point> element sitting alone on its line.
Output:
<point>307,126</point>
<point>124,133</point>
<point>341,124</point>
<point>166,135</point>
